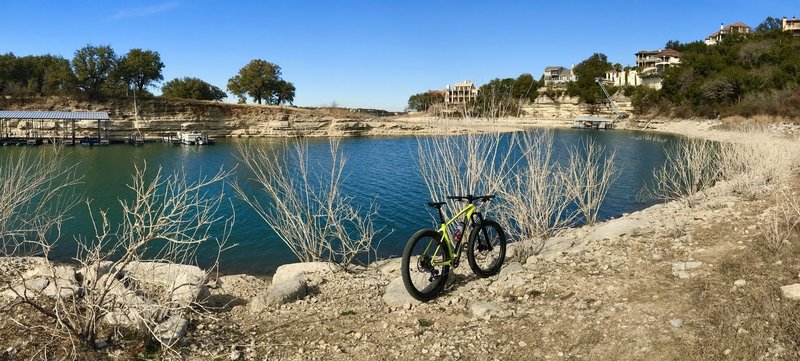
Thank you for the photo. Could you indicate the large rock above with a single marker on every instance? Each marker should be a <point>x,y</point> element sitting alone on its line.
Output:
<point>184,284</point>
<point>397,296</point>
<point>131,310</point>
<point>791,292</point>
<point>171,330</point>
<point>614,229</point>
<point>295,270</point>
<point>279,293</point>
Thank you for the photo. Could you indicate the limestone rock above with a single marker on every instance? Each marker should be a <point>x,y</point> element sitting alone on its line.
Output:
<point>397,296</point>
<point>171,330</point>
<point>557,244</point>
<point>482,309</point>
<point>614,229</point>
<point>184,283</point>
<point>390,266</point>
<point>279,293</point>
<point>510,269</point>
<point>294,270</point>
<point>791,292</point>
<point>89,275</point>
<point>682,269</point>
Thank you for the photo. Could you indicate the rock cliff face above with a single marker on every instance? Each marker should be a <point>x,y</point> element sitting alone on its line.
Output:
<point>160,117</point>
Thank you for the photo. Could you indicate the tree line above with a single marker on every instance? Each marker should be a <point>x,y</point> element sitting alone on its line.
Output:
<point>98,72</point>
<point>498,97</point>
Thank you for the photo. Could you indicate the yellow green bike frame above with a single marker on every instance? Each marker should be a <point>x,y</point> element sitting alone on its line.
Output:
<point>452,250</point>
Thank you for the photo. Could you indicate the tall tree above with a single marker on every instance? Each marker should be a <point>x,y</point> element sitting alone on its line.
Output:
<point>92,66</point>
<point>191,88</point>
<point>284,93</point>
<point>140,68</point>
<point>769,24</point>
<point>261,80</point>
<point>585,87</point>
<point>424,101</point>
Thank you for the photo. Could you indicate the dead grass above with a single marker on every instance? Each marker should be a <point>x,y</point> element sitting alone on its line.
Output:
<point>750,322</point>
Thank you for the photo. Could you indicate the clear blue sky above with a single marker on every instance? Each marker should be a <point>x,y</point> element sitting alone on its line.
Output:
<point>370,54</point>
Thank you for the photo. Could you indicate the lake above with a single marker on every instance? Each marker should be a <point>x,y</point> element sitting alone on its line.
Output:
<point>383,170</point>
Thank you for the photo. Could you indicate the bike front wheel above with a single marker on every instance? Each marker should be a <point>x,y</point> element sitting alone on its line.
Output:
<point>486,249</point>
<point>424,276</point>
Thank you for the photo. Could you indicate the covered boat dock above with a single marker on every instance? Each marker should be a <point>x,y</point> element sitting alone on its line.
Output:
<point>54,127</point>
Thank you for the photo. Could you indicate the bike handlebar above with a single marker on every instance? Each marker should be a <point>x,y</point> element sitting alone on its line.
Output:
<point>470,198</point>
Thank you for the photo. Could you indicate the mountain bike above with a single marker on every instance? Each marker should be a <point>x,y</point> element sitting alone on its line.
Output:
<point>430,254</point>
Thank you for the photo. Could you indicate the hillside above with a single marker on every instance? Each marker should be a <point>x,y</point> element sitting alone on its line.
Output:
<point>161,116</point>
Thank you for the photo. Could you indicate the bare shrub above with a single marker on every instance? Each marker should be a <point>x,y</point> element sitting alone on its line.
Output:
<point>588,176</point>
<point>757,166</point>
<point>782,220</point>
<point>690,167</point>
<point>306,206</point>
<point>132,274</point>
<point>469,164</point>
<point>36,192</point>
<point>535,198</point>
<point>538,196</point>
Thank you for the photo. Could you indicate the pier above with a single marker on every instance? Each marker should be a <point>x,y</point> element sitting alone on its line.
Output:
<point>48,126</point>
<point>593,123</point>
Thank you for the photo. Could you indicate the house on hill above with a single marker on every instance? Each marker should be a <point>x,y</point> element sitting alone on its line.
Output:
<point>735,28</point>
<point>460,93</point>
<point>649,66</point>
<point>558,75</point>
<point>792,25</point>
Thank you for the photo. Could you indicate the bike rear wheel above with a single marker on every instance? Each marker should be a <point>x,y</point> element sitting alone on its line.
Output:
<point>423,276</point>
<point>486,249</point>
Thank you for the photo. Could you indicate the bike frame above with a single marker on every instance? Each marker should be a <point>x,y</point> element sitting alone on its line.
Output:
<point>454,251</point>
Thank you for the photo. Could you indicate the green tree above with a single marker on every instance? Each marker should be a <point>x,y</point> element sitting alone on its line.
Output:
<point>92,66</point>
<point>770,24</point>
<point>140,68</point>
<point>35,75</point>
<point>525,87</point>
<point>261,80</point>
<point>585,87</point>
<point>424,101</point>
<point>284,93</point>
<point>191,88</point>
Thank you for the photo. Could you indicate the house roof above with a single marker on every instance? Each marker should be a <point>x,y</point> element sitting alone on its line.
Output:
<point>664,52</point>
<point>42,115</point>
<point>553,67</point>
<point>728,28</point>
<point>464,83</point>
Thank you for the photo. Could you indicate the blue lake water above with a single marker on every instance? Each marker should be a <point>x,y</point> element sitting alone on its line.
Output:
<point>383,170</point>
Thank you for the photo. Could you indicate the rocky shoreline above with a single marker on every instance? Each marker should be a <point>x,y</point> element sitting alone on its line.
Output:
<point>622,289</point>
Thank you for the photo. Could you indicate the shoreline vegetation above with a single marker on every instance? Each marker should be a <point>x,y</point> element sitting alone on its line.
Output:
<point>686,279</point>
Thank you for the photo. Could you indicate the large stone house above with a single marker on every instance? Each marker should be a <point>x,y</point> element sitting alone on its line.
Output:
<point>460,93</point>
<point>649,66</point>
<point>735,28</point>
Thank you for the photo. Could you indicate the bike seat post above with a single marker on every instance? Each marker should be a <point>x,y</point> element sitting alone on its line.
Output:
<point>441,215</point>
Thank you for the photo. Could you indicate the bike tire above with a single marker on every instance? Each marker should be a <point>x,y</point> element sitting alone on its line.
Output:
<point>478,253</point>
<point>415,270</point>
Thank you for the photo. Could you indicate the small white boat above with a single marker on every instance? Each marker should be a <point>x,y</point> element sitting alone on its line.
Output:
<point>194,138</point>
